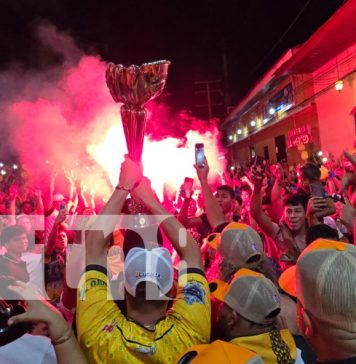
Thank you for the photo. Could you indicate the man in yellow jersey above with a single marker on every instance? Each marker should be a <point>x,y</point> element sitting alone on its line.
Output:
<point>148,333</point>
<point>248,317</point>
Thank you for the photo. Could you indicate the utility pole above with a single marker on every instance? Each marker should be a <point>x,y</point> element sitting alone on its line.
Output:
<point>225,68</point>
<point>209,88</point>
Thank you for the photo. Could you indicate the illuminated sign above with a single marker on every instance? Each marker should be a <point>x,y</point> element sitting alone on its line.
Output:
<point>281,101</point>
<point>299,136</point>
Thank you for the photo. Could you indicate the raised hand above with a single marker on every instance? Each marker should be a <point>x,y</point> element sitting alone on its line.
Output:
<point>257,175</point>
<point>143,191</point>
<point>61,217</point>
<point>203,172</point>
<point>279,172</point>
<point>13,192</point>
<point>130,173</point>
<point>345,212</point>
<point>348,178</point>
<point>37,192</point>
<point>315,205</point>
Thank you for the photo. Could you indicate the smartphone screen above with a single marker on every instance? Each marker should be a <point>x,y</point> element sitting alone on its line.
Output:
<point>63,207</point>
<point>188,185</point>
<point>317,190</point>
<point>199,154</point>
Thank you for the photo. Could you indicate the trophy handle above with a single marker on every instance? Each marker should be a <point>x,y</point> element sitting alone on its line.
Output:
<point>134,124</point>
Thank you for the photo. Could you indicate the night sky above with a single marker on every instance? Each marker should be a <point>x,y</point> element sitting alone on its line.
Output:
<point>191,34</point>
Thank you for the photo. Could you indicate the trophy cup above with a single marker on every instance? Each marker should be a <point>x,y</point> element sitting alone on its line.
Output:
<point>134,86</point>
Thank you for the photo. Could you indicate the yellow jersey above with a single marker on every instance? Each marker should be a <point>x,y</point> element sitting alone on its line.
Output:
<point>106,336</point>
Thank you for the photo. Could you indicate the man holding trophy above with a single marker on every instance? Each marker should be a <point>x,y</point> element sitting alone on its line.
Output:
<point>148,332</point>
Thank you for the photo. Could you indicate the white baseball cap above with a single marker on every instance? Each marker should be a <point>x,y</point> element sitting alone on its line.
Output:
<point>143,265</point>
<point>58,197</point>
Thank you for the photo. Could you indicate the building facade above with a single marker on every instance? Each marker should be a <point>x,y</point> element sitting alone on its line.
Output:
<point>295,109</point>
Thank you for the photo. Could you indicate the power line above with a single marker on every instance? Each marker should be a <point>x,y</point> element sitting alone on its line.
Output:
<point>281,38</point>
<point>209,90</point>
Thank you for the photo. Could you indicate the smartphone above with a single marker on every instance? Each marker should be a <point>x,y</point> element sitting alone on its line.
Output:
<point>199,155</point>
<point>63,207</point>
<point>317,190</point>
<point>188,185</point>
<point>338,198</point>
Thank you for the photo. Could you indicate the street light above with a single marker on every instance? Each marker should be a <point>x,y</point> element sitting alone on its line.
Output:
<point>339,85</point>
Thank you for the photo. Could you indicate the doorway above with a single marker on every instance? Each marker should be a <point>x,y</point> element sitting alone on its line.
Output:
<point>281,152</point>
<point>266,153</point>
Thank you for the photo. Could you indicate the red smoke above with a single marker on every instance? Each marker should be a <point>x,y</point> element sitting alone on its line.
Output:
<point>65,117</point>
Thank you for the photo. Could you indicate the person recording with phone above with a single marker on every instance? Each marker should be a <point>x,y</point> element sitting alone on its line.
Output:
<point>220,206</point>
<point>333,210</point>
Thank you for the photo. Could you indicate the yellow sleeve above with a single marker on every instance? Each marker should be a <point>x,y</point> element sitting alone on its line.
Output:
<point>95,305</point>
<point>192,306</point>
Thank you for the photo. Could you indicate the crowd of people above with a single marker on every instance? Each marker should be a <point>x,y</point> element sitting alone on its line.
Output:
<point>258,268</point>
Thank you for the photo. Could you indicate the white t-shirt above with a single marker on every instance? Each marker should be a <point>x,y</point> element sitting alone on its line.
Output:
<point>34,265</point>
<point>28,349</point>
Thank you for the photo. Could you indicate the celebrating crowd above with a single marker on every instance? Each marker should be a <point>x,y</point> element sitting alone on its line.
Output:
<point>257,268</point>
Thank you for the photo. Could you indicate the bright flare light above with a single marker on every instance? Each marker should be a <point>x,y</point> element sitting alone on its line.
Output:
<point>324,160</point>
<point>239,131</point>
<point>253,123</point>
<point>3,172</point>
<point>339,85</point>
<point>272,111</point>
<point>165,161</point>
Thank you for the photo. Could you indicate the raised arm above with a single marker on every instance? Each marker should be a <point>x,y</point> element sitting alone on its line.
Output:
<point>188,222</point>
<point>348,178</point>
<point>39,201</point>
<point>183,213</point>
<point>264,222</point>
<point>276,193</point>
<point>13,192</point>
<point>52,237</point>
<point>48,201</point>
<point>92,199</point>
<point>130,175</point>
<point>347,215</point>
<point>81,188</point>
<point>213,210</point>
<point>245,179</point>
<point>187,249</point>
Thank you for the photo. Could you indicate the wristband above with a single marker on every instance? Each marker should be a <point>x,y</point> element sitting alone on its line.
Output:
<point>64,338</point>
<point>122,188</point>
